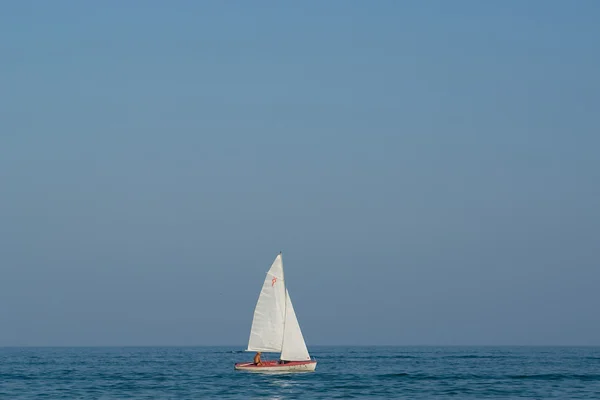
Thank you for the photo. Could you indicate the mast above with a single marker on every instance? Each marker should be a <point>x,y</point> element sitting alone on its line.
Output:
<point>285,302</point>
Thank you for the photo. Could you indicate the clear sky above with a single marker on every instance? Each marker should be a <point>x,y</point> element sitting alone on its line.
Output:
<point>430,169</point>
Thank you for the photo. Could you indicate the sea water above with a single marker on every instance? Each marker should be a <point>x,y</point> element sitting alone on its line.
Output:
<point>342,372</point>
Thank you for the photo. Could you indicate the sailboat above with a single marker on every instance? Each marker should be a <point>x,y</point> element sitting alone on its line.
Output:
<point>275,328</point>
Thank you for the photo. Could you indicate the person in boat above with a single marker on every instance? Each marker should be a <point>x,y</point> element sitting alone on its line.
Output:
<point>257,360</point>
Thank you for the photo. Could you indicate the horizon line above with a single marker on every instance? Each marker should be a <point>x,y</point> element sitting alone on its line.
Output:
<point>242,347</point>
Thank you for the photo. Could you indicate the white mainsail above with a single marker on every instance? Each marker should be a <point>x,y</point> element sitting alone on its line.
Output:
<point>266,333</point>
<point>275,327</point>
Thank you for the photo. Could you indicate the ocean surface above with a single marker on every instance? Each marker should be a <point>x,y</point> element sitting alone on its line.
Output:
<point>342,372</point>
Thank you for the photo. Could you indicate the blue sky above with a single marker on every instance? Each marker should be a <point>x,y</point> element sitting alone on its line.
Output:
<point>430,170</point>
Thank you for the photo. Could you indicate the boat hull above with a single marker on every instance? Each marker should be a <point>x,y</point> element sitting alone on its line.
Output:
<point>274,366</point>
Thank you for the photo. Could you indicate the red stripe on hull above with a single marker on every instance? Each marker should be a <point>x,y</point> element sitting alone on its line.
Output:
<point>266,364</point>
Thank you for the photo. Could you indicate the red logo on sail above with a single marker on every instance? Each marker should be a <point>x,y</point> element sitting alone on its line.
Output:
<point>273,281</point>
